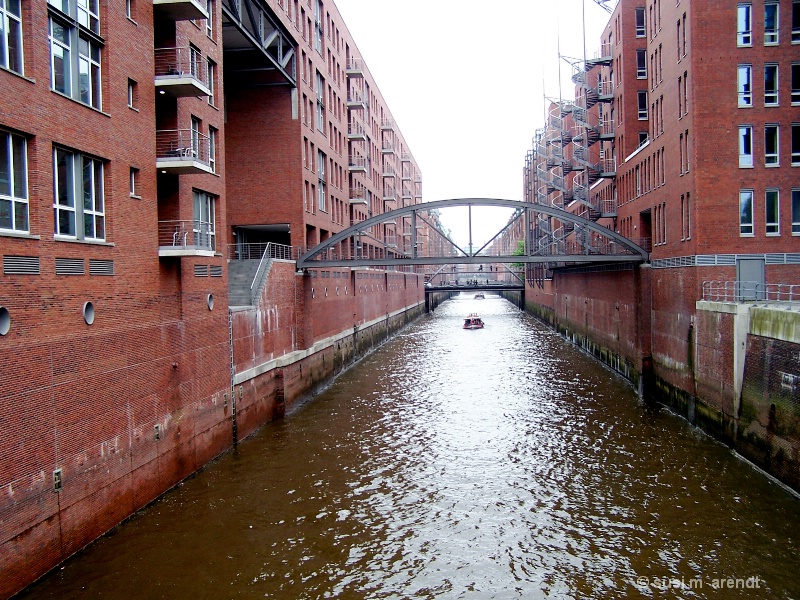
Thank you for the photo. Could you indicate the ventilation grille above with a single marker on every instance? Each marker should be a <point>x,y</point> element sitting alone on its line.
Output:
<point>101,267</point>
<point>215,270</point>
<point>201,270</point>
<point>70,266</point>
<point>20,265</point>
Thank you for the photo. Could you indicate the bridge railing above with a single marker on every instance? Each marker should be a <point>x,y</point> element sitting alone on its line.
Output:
<point>742,291</point>
<point>258,250</point>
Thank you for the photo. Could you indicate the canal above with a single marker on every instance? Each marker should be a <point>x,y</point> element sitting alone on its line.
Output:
<point>497,463</point>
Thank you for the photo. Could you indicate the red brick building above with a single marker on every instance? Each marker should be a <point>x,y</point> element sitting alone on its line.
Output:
<point>684,136</point>
<point>143,145</point>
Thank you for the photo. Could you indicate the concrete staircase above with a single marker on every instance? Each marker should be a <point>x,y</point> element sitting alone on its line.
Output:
<point>240,276</point>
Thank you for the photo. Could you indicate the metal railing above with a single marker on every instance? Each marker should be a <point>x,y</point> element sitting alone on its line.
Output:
<point>181,62</point>
<point>257,250</point>
<point>358,162</point>
<point>183,144</point>
<point>743,291</point>
<point>187,234</point>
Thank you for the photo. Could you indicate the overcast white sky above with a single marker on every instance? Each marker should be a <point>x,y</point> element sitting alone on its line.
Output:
<point>465,81</point>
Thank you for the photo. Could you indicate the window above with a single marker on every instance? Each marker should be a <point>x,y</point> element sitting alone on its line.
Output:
<point>744,25</point>
<point>212,150</point>
<point>796,211</point>
<point>795,84</point>
<point>796,21</point>
<point>770,85</point>
<point>643,137</point>
<point>770,23</point>
<point>80,177</point>
<point>195,137</point>
<point>641,30</point>
<point>679,40</point>
<point>134,182</point>
<point>133,93</point>
<point>745,212</point>
<point>795,144</point>
<point>642,98</point>
<point>320,102</point>
<point>318,26</point>
<point>745,145</point>
<point>211,71</point>
<point>641,64</point>
<point>772,218</point>
<point>129,9</point>
<point>745,85</point>
<point>75,71</point>
<point>13,183</point>
<point>204,225</point>
<point>210,19</point>
<point>771,146</point>
<point>321,159</point>
<point>11,35</point>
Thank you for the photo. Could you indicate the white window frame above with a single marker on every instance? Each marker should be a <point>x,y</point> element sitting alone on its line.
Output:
<point>641,63</point>
<point>795,91</point>
<point>795,148</point>
<point>772,204</point>
<point>746,221</point>
<point>211,73</point>
<point>204,220</point>
<point>771,35</point>
<point>73,32</point>
<point>745,146</point>
<point>212,149</point>
<point>771,96</point>
<point>643,114</point>
<point>641,27</point>
<point>771,155</point>
<point>210,19</point>
<point>134,183</point>
<point>77,197</point>
<point>744,85</point>
<point>744,25</point>
<point>11,56</point>
<point>322,182</point>
<point>795,211</point>
<point>796,22</point>
<point>14,181</point>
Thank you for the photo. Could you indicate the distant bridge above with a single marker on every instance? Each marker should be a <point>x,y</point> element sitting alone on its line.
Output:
<point>551,235</point>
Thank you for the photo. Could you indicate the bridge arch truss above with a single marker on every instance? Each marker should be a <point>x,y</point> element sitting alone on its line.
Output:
<point>413,235</point>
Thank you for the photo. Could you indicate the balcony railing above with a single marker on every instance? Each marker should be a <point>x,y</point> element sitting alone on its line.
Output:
<point>355,67</point>
<point>358,163</point>
<point>387,123</point>
<point>356,131</point>
<point>181,10</point>
<point>742,291</point>
<point>183,151</point>
<point>186,238</point>
<point>358,195</point>
<point>181,72</point>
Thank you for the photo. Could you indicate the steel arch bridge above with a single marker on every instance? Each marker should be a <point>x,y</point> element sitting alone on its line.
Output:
<point>413,235</point>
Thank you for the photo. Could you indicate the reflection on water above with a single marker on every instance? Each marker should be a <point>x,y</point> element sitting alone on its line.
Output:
<point>495,463</point>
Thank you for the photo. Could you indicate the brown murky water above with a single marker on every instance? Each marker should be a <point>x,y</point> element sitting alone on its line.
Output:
<point>499,463</point>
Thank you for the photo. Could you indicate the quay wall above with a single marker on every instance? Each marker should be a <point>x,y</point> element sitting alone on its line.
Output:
<point>729,368</point>
<point>99,422</point>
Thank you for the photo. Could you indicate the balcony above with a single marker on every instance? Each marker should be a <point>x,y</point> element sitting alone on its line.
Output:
<point>186,238</point>
<point>181,10</point>
<point>355,131</point>
<point>389,195</point>
<point>358,195</point>
<point>355,100</point>
<point>183,152</point>
<point>181,72</point>
<point>355,67</point>
<point>405,157</point>
<point>388,171</point>
<point>358,164</point>
<point>387,124</point>
<point>387,147</point>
